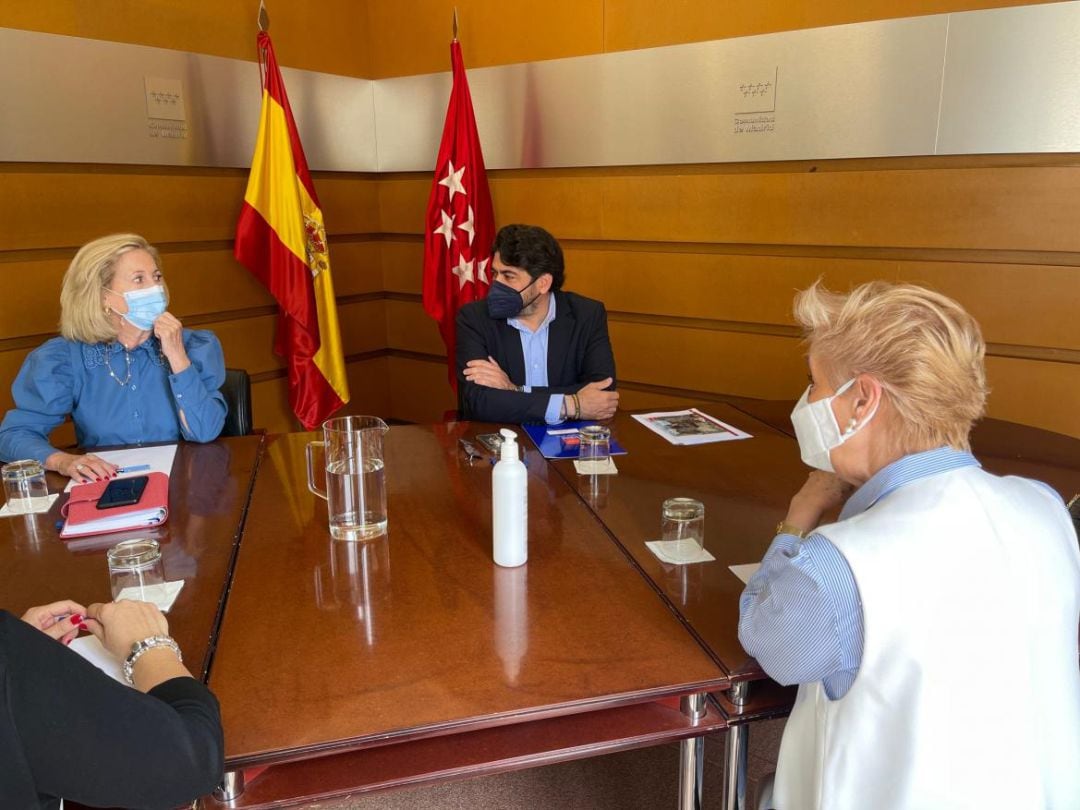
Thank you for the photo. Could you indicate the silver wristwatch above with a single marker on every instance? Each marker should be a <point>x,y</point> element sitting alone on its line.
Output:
<point>141,647</point>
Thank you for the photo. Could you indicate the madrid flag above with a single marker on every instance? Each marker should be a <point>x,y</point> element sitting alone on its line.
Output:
<point>460,225</point>
<point>280,238</point>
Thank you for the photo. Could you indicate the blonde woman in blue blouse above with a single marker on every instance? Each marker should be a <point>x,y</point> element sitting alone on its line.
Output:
<point>123,367</point>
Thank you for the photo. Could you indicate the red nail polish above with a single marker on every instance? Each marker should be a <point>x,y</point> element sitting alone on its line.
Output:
<point>82,626</point>
<point>67,641</point>
<point>76,618</point>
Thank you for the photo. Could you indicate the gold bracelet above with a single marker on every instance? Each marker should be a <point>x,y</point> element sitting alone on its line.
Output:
<point>783,527</point>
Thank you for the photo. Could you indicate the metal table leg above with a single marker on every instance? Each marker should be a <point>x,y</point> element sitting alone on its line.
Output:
<point>735,755</point>
<point>231,786</point>
<point>692,756</point>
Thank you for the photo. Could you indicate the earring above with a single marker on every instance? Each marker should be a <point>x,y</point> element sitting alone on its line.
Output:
<point>851,426</point>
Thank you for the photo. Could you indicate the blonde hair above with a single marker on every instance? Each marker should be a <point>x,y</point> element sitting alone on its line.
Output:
<point>83,315</point>
<point>924,348</point>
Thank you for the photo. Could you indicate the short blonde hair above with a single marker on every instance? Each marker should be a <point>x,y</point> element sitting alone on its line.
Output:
<point>924,348</point>
<point>82,312</point>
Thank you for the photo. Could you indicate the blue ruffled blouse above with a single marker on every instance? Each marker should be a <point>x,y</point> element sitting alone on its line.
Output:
<point>64,377</point>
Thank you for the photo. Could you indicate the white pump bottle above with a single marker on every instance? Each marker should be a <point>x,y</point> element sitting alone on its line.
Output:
<point>510,505</point>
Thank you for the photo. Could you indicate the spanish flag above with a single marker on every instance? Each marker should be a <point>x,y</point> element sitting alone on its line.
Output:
<point>280,238</point>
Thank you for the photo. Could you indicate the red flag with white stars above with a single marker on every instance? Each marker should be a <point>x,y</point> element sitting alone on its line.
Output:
<point>460,224</point>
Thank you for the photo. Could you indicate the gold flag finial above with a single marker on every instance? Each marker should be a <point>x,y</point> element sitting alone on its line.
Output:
<point>263,20</point>
<point>455,22</point>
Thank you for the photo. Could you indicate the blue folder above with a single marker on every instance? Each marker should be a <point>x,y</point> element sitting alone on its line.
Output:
<point>552,446</point>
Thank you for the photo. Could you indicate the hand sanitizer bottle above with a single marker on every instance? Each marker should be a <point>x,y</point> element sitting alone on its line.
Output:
<point>510,505</point>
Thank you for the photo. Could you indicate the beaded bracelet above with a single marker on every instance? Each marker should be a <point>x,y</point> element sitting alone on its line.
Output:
<point>139,648</point>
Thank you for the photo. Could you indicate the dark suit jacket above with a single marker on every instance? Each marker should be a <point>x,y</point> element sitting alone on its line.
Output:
<point>579,352</point>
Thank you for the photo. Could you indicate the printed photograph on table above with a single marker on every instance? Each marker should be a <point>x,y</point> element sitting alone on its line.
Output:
<point>690,427</point>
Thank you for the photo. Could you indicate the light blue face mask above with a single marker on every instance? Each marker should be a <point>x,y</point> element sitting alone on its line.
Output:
<point>144,306</point>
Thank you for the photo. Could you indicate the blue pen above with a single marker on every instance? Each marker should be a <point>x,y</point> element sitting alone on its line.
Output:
<point>135,468</point>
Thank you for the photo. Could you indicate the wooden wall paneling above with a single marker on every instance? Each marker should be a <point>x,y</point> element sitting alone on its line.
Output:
<point>567,203</point>
<point>630,24</point>
<point>350,202</point>
<point>722,362</point>
<point>493,32</point>
<point>248,343</point>
<point>331,37</point>
<point>207,281</point>
<point>1020,208</point>
<point>363,327</point>
<point>1035,393</point>
<point>420,389</point>
<point>369,388</point>
<point>403,203</point>
<point>403,266</point>
<point>633,399</point>
<point>410,328</point>
<point>35,309</point>
<point>47,207</point>
<point>356,267</point>
<point>270,406</point>
<point>758,289</point>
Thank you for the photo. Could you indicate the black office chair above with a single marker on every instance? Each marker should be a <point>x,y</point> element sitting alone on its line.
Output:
<point>237,392</point>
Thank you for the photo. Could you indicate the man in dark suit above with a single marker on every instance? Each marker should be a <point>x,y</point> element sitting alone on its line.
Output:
<point>529,352</point>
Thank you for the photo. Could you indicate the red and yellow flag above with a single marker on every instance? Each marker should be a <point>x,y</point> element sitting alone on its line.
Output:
<point>281,239</point>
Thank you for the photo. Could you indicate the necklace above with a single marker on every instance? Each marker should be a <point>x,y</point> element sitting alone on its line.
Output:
<point>108,365</point>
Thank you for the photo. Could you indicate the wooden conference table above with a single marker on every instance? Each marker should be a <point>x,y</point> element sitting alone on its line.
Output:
<point>208,497</point>
<point>411,658</point>
<point>745,486</point>
<point>344,668</point>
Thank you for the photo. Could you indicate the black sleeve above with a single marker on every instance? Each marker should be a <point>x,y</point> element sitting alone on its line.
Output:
<point>483,404</point>
<point>87,738</point>
<point>599,361</point>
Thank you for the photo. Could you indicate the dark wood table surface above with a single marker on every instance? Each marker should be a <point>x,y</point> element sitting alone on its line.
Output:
<point>330,647</point>
<point>745,486</point>
<point>208,495</point>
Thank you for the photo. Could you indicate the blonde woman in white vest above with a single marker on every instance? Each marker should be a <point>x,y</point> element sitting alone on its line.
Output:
<point>932,628</point>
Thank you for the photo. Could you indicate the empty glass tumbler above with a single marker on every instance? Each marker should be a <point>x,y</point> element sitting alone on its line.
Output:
<point>682,528</point>
<point>594,452</point>
<point>25,487</point>
<point>136,564</point>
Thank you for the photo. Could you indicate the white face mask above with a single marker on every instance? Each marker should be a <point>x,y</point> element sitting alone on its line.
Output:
<point>817,431</point>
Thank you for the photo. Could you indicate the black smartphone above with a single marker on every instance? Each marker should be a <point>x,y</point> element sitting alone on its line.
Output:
<point>122,492</point>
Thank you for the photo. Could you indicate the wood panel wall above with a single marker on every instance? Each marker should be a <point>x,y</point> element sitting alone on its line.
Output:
<point>697,264</point>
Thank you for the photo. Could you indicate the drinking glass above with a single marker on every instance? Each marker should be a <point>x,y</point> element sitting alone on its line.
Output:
<point>595,449</point>
<point>682,528</point>
<point>25,487</point>
<point>137,564</point>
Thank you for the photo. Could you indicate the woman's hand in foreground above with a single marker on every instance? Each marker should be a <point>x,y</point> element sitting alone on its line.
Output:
<point>81,468</point>
<point>118,625</point>
<point>60,620</point>
<point>821,493</point>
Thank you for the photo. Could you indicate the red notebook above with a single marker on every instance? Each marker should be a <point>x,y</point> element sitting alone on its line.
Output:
<point>83,516</point>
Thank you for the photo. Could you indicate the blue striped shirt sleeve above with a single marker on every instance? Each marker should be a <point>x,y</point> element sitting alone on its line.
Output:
<point>800,615</point>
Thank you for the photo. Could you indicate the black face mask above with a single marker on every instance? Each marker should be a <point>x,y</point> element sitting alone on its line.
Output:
<point>503,301</point>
